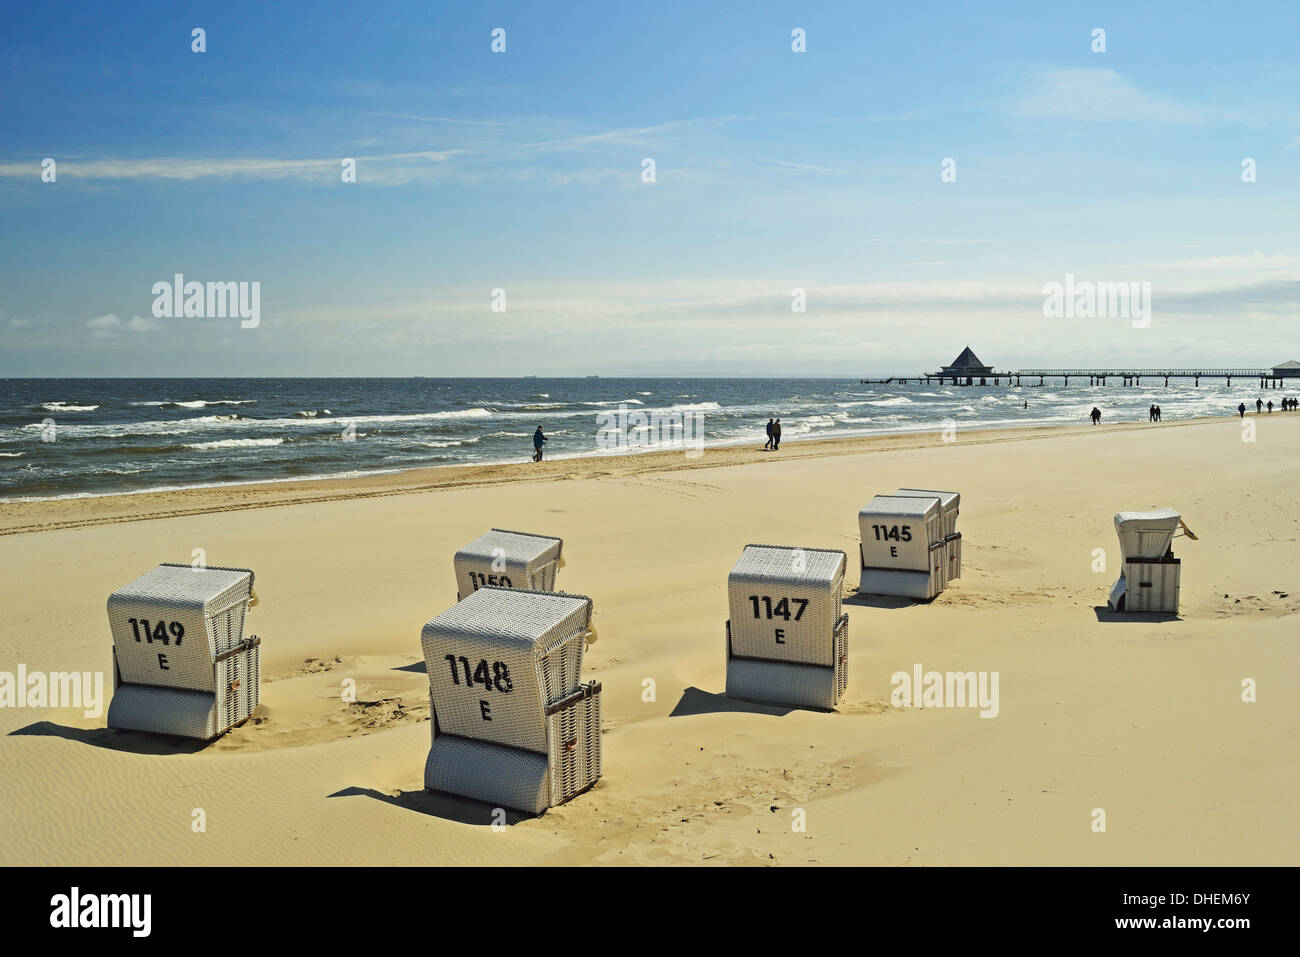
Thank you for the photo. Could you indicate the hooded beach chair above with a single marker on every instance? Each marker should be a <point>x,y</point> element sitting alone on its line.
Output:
<point>949,503</point>
<point>513,723</point>
<point>1151,576</point>
<point>505,559</point>
<point>181,663</point>
<point>787,640</point>
<point>904,549</point>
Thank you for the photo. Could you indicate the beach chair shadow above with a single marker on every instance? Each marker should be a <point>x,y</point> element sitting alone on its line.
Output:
<point>695,701</point>
<point>449,807</point>
<point>881,601</point>
<point>114,739</point>
<point>1104,613</point>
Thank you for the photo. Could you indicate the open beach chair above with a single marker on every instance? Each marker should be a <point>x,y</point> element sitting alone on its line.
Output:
<point>181,664</point>
<point>513,723</point>
<point>505,559</point>
<point>787,639</point>
<point>1151,576</point>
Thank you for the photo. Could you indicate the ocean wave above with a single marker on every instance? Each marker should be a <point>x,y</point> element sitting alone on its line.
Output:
<point>234,444</point>
<point>448,443</point>
<point>192,403</point>
<point>312,413</point>
<point>12,455</point>
<point>65,407</point>
<point>477,413</point>
<point>617,402</point>
<point>895,400</point>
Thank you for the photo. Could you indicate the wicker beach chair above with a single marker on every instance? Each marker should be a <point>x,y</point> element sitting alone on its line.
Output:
<point>1151,576</point>
<point>181,663</point>
<point>513,723</point>
<point>787,639</point>
<point>950,503</point>
<point>505,559</point>
<point>903,550</point>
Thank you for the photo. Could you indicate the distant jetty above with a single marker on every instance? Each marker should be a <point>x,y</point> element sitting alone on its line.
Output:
<point>967,369</point>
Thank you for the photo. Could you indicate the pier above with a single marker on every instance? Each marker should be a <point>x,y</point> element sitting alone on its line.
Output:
<point>966,369</point>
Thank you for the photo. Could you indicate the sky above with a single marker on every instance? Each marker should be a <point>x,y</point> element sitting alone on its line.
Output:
<point>921,171</point>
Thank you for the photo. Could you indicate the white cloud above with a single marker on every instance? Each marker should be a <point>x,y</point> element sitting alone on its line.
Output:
<point>1101,95</point>
<point>110,326</point>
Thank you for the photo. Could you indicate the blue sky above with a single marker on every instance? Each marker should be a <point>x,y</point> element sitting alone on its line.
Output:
<point>522,171</point>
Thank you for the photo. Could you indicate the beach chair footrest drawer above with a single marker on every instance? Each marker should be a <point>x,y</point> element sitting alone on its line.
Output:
<point>495,774</point>
<point>781,682</point>
<point>922,585</point>
<point>186,714</point>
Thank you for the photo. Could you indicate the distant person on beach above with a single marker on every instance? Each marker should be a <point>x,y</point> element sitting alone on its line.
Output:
<point>1096,415</point>
<point>1259,406</point>
<point>1241,410</point>
<point>776,435</point>
<point>769,435</point>
<point>1151,413</point>
<point>1157,413</point>
<point>538,439</point>
<point>1270,406</point>
<point>1026,404</point>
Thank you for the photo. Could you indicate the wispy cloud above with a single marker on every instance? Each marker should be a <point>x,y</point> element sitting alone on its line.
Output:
<point>1100,95</point>
<point>937,242</point>
<point>194,168</point>
<point>111,326</point>
<point>798,167</point>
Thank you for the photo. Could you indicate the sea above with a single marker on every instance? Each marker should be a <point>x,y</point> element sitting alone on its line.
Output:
<point>81,437</point>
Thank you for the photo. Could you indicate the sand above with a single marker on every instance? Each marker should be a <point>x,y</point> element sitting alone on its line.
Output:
<point>1142,718</point>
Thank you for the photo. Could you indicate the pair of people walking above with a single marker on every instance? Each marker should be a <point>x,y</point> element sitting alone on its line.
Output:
<point>1154,413</point>
<point>773,435</point>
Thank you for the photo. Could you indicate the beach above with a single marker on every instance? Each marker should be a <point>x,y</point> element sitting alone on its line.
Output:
<point>1141,718</point>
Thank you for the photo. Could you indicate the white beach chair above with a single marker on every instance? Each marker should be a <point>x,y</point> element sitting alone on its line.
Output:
<point>513,724</point>
<point>787,640</point>
<point>950,503</point>
<point>1151,576</point>
<point>904,550</point>
<point>181,664</point>
<point>505,559</point>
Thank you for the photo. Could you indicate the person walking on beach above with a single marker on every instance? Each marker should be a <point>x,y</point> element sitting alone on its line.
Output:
<point>1270,406</point>
<point>769,435</point>
<point>1157,413</point>
<point>538,439</point>
<point>1096,415</point>
<point>776,435</point>
<point>1151,413</point>
<point>1259,406</point>
<point>1241,410</point>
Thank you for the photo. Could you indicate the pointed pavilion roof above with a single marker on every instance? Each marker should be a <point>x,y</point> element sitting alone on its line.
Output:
<point>967,361</point>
